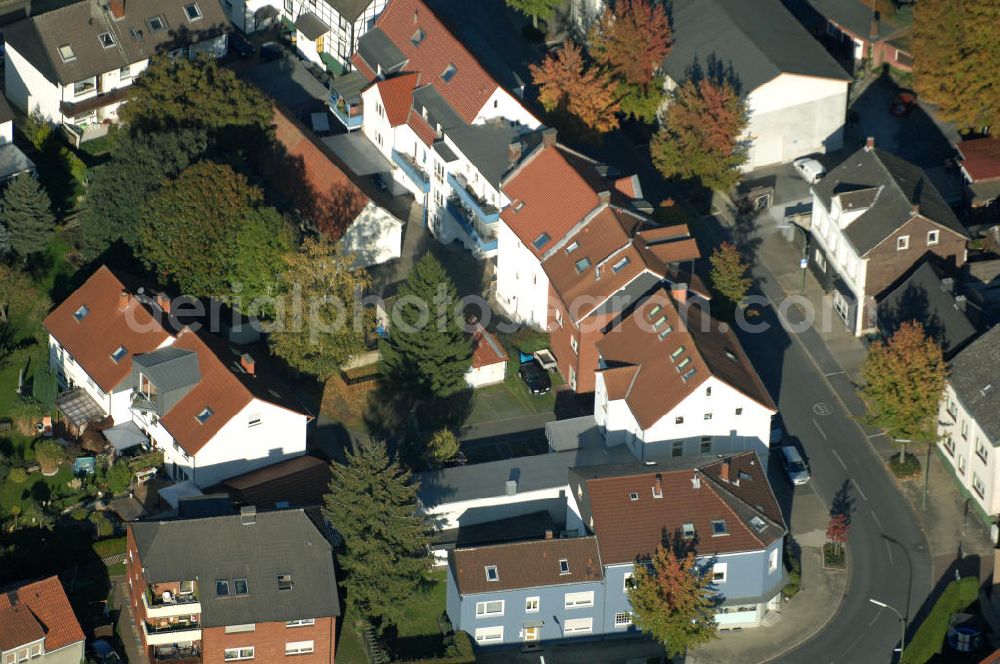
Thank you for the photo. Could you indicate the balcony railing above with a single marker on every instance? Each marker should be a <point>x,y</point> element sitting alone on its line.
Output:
<point>483,210</point>
<point>177,654</point>
<point>461,216</point>
<point>141,402</point>
<point>180,626</point>
<point>350,115</point>
<point>416,174</point>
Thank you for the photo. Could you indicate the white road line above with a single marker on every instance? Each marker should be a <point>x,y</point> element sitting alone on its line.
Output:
<point>822,433</point>
<point>875,435</point>
<point>834,373</point>
<point>875,516</point>
<point>839,460</point>
<point>878,614</point>
<point>858,487</point>
<point>889,549</point>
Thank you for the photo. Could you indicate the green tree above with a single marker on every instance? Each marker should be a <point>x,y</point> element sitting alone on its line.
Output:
<point>118,190</point>
<point>5,247</point>
<point>44,386</point>
<point>49,455</point>
<point>700,137</point>
<point>728,273</point>
<point>536,9</point>
<point>210,233</point>
<point>179,92</point>
<point>428,352</point>
<point>642,102</point>
<point>27,213</point>
<point>330,330</point>
<point>672,600</point>
<point>904,379</point>
<point>442,447</point>
<point>372,503</point>
<point>119,477</point>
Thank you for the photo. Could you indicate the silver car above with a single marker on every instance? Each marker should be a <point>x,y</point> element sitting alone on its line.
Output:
<point>795,467</point>
<point>809,169</point>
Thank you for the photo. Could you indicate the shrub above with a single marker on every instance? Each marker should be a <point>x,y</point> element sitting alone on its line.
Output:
<point>92,441</point>
<point>49,455</point>
<point>109,547</point>
<point>102,525</point>
<point>18,476</point>
<point>79,514</point>
<point>119,477</point>
<point>463,644</point>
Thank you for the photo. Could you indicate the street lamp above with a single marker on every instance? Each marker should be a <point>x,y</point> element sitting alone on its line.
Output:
<point>927,469</point>
<point>902,622</point>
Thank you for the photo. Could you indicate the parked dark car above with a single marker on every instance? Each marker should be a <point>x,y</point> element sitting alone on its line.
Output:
<point>239,46</point>
<point>903,104</point>
<point>535,377</point>
<point>270,51</point>
<point>380,182</point>
<point>105,652</point>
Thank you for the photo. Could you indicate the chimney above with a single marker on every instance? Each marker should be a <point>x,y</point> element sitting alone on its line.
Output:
<point>870,144</point>
<point>163,302</point>
<point>514,152</point>
<point>604,197</point>
<point>247,362</point>
<point>872,27</point>
<point>548,137</point>
<point>548,534</point>
<point>914,209</point>
<point>511,487</point>
<point>117,8</point>
<point>679,291</point>
<point>123,299</point>
<point>248,515</point>
<point>724,471</point>
<point>948,285</point>
<point>960,302</point>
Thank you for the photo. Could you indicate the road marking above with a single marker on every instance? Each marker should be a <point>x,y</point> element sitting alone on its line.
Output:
<point>889,549</point>
<point>858,487</point>
<point>875,516</point>
<point>822,408</point>
<point>875,435</point>
<point>822,433</point>
<point>878,614</point>
<point>839,460</point>
<point>834,373</point>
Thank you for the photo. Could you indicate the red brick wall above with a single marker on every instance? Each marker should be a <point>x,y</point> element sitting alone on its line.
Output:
<point>269,641</point>
<point>133,574</point>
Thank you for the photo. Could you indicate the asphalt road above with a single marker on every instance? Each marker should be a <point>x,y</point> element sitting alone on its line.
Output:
<point>888,553</point>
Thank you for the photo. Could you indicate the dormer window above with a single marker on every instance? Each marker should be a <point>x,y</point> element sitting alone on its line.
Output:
<point>563,566</point>
<point>81,313</point>
<point>155,23</point>
<point>107,41</point>
<point>67,53</point>
<point>284,582</point>
<point>448,73</point>
<point>203,416</point>
<point>119,353</point>
<point>492,574</point>
<point>193,11</point>
<point>687,531</point>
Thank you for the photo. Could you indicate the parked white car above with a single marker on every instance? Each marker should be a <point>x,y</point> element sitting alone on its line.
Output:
<point>809,169</point>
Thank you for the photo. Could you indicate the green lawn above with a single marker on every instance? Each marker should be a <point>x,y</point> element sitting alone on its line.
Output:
<point>418,633</point>
<point>350,650</point>
<point>37,487</point>
<point>510,399</point>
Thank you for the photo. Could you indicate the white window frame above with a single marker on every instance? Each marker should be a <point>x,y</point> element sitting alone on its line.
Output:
<point>301,622</point>
<point>772,560</point>
<point>902,243</point>
<point>299,648</point>
<point>483,608</point>
<point>574,344</point>
<point>619,623</point>
<point>532,604</point>
<point>628,577</point>
<point>720,569</point>
<point>933,237</point>
<point>579,600</point>
<point>486,635</point>
<point>237,654</point>
<point>573,626</point>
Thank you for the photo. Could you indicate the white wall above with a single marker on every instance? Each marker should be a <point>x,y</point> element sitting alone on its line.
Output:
<point>75,375</point>
<point>502,104</point>
<point>967,465</point>
<point>522,287</point>
<point>6,132</point>
<point>494,508</point>
<point>27,88</point>
<point>491,374</point>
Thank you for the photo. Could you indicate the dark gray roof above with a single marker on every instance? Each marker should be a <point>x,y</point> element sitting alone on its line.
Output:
<point>281,542</point>
<point>311,26</point>
<point>6,115</point>
<point>975,377</point>
<point>377,50</point>
<point>13,161</point>
<point>855,16</point>
<point>921,296</point>
<point>573,434</point>
<point>487,146</point>
<point>349,9</point>
<point>754,41</point>
<point>350,85</point>
<point>641,285</point>
<point>38,38</point>
<point>170,368</point>
<point>446,153</point>
<point>900,185</point>
<point>438,110</point>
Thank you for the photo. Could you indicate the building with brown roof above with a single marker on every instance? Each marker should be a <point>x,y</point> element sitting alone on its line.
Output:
<point>216,412</point>
<point>980,163</point>
<point>75,63</point>
<point>489,359</point>
<point>37,624</point>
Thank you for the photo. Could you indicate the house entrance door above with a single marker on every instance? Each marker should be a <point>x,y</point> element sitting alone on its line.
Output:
<point>530,634</point>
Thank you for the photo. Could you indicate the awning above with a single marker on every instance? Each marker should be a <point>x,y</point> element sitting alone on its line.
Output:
<point>532,623</point>
<point>79,407</point>
<point>311,26</point>
<point>349,86</point>
<point>126,435</point>
<point>71,109</point>
<point>172,494</point>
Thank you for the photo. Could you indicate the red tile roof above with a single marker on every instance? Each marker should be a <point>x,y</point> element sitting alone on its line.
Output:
<point>397,96</point>
<point>993,658</point>
<point>51,612</point>
<point>469,88</point>
<point>981,158</point>
<point>421,128</point>
<point>629,186</point>
<point>551,192</point>
<point>526,564</point>
<point>628,529</point>
<point>659,385</point>
<point>106,326</point>
<point>362,66</point>
<point>486,350</point>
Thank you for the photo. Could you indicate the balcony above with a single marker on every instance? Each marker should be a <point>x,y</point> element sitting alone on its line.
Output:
<point>141,402</point>
<point>413,171</point>
<point>171,634</point>
<point>486,212</point>
<point>345,99</point>
<point>350,115</point>
<point>483,245</point>
<point>180,605</point>
<point>177,654</point>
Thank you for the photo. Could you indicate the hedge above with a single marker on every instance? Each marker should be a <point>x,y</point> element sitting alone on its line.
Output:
<point>929,639</point>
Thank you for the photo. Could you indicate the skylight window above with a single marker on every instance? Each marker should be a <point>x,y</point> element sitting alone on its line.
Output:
<point>155,23</point>
<point>757,523</point>
<point>193,11</point>
<point>620,265</point>
<point>119,353</point>
<point>107,41</point>
<point>633,496</point>
<point>658,323</point>
<point>677,353</point>
<point>203,416</point>
<point>563,566</point>
<point>572,246</point>
<point>284,582</point>
<point>81,313</point>
<point>417,37</point>
<point>719,527</point>
<point>491,573</point>
<point>541,241</point>
<point>731,355</point>
<point>655,310</point>
<point>683,363</point>
<point>240,587</point>
<point>448,73</point>
<point>665,331</point>
<point>67,53</point>
<point>582,264</point>
<point>222,588</point>
<point>691,372</point>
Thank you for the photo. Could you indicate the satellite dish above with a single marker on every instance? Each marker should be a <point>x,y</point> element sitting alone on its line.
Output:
<point>994,533</point>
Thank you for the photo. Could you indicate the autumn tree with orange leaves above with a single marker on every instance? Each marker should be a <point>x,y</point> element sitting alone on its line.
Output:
<point>701,136</point>
<point>672,600</point>
<point>568,86</point>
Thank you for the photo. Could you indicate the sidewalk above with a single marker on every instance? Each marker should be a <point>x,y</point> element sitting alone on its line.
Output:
<point>800,617</point>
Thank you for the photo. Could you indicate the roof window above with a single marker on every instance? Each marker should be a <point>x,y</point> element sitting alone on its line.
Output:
<point>284,582</point>
<point>677,353</point>
<point>67,53</point>
<point>107,41</point>
<point>683,363</point>
<point>119,353</point>
<point>491,573</point>
<point>563,566</point>
<point>582,264</point>
<point>633,496</point>
<point>655,310</point>
<point>541,241</point>
<point>665,331</point>
<point>81,313</point>
<point>155,23</point>
<point>203,416</point>
<point>620,265</point>
<point>448,73</point>
<point>222,588</point>
<point>690,372</point>
<point>193,11</point>
<point>731,355</point>
<point>572,246</point>
<point>240,587</point>
<point>658,323</point>
<point>757,523</point>
<point>719,527</point>
<point>418,37</point>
